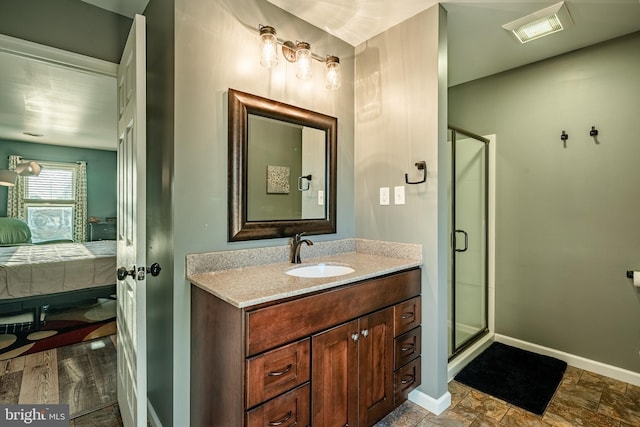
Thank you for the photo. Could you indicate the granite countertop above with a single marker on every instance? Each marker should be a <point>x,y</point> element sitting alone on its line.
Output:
<point>255,284</point>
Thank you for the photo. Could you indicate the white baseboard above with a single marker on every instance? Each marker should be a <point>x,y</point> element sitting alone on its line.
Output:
<point>152,416</point>
<point>435,406</point>
<point>576,361</point>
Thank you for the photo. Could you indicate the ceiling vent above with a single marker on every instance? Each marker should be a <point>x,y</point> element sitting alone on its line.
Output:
<point>541,23</point>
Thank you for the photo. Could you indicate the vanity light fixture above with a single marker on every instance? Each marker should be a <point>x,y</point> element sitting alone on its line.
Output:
<point>269,55</point>
<point>541,23</point>
<point>300,53</point>
<point>332,77</point>
<point>303,60</point>
<point>8,178</point>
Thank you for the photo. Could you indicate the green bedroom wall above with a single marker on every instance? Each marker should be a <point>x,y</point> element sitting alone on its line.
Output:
<point>101,172</point>
<point>566,214</point>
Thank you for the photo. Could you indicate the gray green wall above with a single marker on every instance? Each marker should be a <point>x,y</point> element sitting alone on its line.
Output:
<point>70,25</point>
<point>217,48</point>
<point>567,215</point>
<point>162,366</point>
<point>273,144</point>
<point>101,172</point>
<point>400,120</point>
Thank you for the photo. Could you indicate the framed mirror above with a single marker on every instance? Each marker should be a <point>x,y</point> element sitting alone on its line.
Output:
<point>282,169</point>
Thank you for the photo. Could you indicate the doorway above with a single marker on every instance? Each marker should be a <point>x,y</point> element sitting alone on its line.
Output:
<point>469,229</point>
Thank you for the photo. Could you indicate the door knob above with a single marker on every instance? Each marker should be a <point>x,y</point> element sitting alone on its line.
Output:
<point>122,273</point>
<point>355,337</point>
<point>154,269</point>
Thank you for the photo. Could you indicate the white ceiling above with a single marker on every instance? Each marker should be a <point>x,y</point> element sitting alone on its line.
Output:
<point>62,97</point>
<point>478,45</point>
<point>73,104</point>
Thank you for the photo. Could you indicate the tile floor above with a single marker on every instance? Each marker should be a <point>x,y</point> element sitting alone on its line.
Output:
<point>582,399</point>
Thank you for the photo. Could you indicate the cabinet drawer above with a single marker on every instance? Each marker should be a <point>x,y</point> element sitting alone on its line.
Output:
<point>290,409</point>
<point>407,347</point>
<point>406,379</point>
<point>407,315</point>
<point>277,371</point>
<point>278,324</point>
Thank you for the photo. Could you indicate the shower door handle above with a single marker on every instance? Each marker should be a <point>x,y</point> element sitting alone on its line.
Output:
<point>466,241</point>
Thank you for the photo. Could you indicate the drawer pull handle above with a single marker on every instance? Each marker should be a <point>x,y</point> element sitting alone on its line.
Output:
<point>407,347</point>
<point>281,420</point>
<point>408,315</point>
<point>279,373</point>
<point>407,379</point>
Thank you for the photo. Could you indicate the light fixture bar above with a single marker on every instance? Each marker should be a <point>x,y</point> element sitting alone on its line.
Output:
<point>541,23</point>
<point>300,53</point>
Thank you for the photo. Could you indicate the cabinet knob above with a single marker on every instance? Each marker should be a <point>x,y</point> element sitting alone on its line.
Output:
<point>365,333</point>
<point>355,336</point>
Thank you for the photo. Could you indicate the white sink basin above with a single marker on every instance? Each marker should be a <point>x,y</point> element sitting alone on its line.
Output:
<point>320,270</point>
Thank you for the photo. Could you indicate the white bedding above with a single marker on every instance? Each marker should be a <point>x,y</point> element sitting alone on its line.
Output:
<point>45,269</point>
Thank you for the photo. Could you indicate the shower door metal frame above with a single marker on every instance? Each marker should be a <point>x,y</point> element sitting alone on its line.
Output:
<point>455,349</point>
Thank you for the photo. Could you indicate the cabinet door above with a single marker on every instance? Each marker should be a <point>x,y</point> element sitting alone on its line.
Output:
<point>334,376</point>
<point>376,366</point>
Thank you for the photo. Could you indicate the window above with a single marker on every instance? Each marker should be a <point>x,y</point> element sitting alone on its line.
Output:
<point>49,200</point>
<point>53,203</point>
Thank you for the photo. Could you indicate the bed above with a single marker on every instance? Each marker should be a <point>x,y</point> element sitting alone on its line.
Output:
<point>35,275</point>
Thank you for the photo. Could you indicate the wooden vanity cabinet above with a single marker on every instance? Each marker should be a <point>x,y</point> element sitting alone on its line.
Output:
<point>352,378</point>
<point>324,359</point>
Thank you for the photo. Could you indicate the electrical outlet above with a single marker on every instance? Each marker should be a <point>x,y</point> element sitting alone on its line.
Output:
<point>384,196</point>
<point>398,195</point>
<point>320,197</point>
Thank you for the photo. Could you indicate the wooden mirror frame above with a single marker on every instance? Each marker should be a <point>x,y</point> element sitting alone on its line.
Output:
<point>239,228</point>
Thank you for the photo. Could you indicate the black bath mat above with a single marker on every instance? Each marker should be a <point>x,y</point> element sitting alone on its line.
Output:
<point>519,377</point>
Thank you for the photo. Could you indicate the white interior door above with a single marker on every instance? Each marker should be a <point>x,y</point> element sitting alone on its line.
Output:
<point>131,316</point>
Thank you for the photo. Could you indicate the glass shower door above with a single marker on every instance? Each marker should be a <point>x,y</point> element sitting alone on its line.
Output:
<point>468,290</point>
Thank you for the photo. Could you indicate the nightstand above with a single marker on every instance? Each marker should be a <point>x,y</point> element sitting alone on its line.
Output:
<point>102,231</point>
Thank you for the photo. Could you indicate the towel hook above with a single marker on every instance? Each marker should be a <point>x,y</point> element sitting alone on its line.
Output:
<point>422,166</point>
<point>564,136</point>
<point>593,131</point>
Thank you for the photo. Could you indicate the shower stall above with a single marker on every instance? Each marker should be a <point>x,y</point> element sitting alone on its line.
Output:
<point>468,225</point>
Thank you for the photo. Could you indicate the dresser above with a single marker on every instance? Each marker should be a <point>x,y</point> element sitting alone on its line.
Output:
<point>101,231</point>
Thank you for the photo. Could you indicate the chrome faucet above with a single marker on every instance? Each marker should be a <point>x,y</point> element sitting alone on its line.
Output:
<point>296,242</point>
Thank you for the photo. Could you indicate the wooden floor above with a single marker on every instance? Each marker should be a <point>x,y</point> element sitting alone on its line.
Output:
<point>82,375</point>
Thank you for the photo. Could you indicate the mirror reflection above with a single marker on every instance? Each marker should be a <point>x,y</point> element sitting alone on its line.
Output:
<point>286,170</point>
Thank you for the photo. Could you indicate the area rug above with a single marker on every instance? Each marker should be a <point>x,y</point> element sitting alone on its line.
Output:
<point>522,378</point>
<point>61,326</point>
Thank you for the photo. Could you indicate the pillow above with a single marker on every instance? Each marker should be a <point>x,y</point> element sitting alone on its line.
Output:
<point>14,231</point>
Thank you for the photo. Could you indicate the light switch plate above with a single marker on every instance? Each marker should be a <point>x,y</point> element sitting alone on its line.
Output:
<point>320,197</point>
<point>384,196</point>
<point>398,195</point>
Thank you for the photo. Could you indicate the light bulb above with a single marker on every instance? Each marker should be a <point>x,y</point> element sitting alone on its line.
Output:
<point>303,59</point>
<point>332,77</point>
<point>269,55</point>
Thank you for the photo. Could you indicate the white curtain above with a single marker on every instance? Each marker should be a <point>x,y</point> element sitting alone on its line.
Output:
<point>15,201</point>
<point>16,205</point>
<point>80,212</point>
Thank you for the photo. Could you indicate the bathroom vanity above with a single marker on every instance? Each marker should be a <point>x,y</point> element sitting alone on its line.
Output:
<point>268,349</point>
